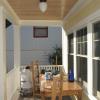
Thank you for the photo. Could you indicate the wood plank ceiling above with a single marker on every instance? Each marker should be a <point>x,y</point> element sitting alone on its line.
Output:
<point>29,9</point>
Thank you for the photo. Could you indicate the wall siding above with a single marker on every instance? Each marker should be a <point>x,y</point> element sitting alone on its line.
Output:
<point>38,48</point>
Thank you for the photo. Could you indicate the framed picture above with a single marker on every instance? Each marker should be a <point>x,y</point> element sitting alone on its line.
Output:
<point>40,32</point>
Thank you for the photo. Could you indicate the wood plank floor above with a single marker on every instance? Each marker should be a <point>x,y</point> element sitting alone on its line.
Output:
<point>27,98</point>
<point>16,97</point>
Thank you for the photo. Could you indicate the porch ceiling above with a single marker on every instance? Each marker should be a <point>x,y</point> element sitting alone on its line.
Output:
<point>29,9</point>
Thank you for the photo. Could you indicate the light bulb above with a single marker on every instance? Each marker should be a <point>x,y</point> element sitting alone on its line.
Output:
<point>43,6</point>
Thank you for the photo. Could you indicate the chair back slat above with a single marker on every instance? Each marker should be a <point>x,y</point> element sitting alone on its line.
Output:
<point>57,86</point>
<point>35,76</point>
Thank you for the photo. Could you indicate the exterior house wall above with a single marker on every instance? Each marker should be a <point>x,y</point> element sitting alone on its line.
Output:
<point>8,87</point>
<point>12,68</point>
<point>10,48</point>
<point>85,16</point>
<point>2,57</point>
<point>38,48</point>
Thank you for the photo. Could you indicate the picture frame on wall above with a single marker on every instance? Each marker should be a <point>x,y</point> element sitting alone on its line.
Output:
<point>40,32</point>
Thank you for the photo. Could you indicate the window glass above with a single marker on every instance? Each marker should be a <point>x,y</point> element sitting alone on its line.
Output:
<point>97,48</point>
<point>96,74</point>
<point>70,43</point>
<point>70,62</point>
<point>96,39</point>
<point>82,68</point>
<point>96,53</point>
<point>97,31</point>
<point>70,51</point>
<point>81,41</point>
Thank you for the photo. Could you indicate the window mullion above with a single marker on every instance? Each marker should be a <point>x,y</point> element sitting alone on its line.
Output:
<point>75,62</point>
<point>89,62</point>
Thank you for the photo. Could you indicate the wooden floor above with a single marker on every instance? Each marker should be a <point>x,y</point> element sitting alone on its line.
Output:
<point>64,98</point>
<point>29,98</point>
<point>16,97</point>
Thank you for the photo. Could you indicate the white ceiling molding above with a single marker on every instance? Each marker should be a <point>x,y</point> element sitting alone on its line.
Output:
<point>79,5</point>
<point>41,22</point>
<point>92,18</point>
<point>9,11</point>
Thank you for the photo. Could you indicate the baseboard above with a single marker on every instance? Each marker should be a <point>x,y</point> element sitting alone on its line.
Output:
<point>73,97</point>
<point>16,95</point>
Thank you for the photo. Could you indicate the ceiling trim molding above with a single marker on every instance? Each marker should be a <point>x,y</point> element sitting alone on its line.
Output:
<point>62,8</point>
<point>92,18</point>
<point>79,5</point>
<point>9,11</point>
<point>41,22</point>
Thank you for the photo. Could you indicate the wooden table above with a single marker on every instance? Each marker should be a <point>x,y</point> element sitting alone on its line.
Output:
<point>72,88</point>
<point>69,89</point>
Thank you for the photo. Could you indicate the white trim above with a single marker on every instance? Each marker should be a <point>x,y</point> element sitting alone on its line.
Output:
<point>13,82</point>
<point>67,52</point>
<point>89,59</point>
<point>77,27</point>
<point>79,5</point>
<point>88,21</point>
<point>79,55</point>
<point>75,62</point>
<point>96,58</point>
<point>9,11</point>
<point>91,18</point>
<point>71,54</point>
<point>41,22</point>
<point>2,56</point>
<point>91,97</point>
<point>98,95</point>
<point>64,50</point>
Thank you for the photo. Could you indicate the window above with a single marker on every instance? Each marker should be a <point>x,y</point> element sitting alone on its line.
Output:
<point>96,74</point>
<point>82,41</point>
<point>70,43</point>
<point>96,57</point>
<point>40,32</point>
<point>82,68</point>
<point>70,51</point>
<point>70,62</point>
<point>9,45</point>
<point>96,39</point>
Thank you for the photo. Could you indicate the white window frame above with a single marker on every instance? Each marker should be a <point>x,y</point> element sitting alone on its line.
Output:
<point>88,21</point>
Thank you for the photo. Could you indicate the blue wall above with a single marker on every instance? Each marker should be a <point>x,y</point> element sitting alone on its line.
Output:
<point>38,48</point>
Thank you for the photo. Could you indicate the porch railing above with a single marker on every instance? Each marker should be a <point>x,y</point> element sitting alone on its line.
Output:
<point>50,67</point>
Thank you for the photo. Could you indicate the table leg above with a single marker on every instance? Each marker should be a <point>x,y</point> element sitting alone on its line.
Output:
<point>79,96</point>
<point>42,96</point>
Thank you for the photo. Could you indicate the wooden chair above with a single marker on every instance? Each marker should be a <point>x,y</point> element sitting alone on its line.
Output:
<point>55,90</point>
<point>35,78</point>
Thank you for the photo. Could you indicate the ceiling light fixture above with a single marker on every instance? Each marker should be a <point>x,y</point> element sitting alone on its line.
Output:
<point>43,5</point>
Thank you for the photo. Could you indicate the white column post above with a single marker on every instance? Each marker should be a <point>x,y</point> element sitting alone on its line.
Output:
<point>17,53</point>
<point>75,63</point>
<point>2,56</point>
<point>89,59</point>
<point>64,50</point>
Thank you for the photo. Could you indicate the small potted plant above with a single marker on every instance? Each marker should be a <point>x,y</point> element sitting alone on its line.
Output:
<point>56,57</point>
